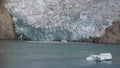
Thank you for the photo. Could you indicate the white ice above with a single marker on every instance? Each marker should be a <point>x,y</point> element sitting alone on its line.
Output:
<point>100,57</point>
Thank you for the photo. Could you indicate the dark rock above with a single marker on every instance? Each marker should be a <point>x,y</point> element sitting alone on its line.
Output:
<point>90,39</point>
<point>111,35</point>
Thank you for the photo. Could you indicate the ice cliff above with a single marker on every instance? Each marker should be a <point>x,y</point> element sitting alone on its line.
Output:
<point>62,19</point>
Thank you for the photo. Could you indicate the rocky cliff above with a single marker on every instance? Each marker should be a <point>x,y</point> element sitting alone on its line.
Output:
<point>111,35</point>
<point>6,25</point>
<point>62,19</point>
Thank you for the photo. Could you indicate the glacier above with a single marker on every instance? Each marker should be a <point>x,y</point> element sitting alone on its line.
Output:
<point>49,20</point>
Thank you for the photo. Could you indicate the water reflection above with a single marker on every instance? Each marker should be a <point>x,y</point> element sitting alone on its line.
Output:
<point>105,62</point>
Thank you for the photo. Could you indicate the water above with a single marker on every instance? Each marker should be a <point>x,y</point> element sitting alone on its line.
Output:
<point>27,54</point>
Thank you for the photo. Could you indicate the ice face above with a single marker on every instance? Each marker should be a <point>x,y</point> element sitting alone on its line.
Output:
<point>62,19</point>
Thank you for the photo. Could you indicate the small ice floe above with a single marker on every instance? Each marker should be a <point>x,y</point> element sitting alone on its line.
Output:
<point>64,41</point>
<point>100,57</point>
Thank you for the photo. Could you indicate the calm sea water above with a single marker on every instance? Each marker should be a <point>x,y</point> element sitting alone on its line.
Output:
<point>28,54</point>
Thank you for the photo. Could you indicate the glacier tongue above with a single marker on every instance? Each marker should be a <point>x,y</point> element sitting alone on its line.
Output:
<point>62,19</point>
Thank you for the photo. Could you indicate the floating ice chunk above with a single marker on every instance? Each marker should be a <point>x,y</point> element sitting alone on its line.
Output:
<point>100,57</point>
<point>64,41</point>
<point>104,56</point>
<point>92,57</point>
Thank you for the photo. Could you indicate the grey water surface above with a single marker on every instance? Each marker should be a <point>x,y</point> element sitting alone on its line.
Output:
<point>31,54</point>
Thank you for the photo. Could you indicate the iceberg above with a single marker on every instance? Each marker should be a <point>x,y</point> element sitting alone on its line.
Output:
<point>100,57</point>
